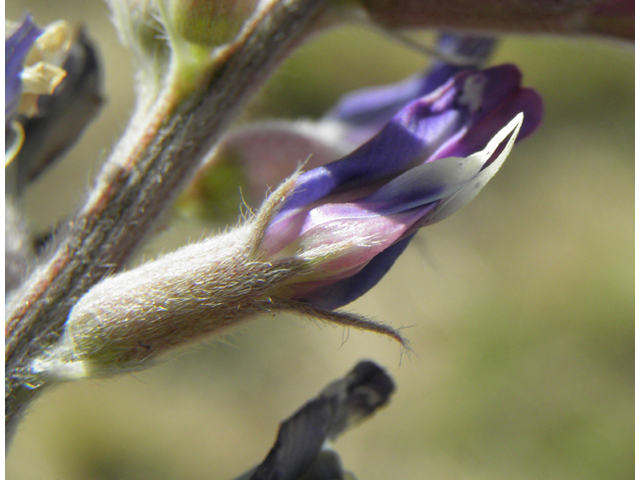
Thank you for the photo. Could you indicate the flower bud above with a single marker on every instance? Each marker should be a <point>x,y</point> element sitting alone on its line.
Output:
<point>173,40</point>
<point>130,320</point>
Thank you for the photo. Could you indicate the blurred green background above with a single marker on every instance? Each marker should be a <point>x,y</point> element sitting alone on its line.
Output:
<point>519,308</point>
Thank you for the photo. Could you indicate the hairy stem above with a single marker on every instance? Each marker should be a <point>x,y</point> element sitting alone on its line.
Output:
<point>139,180</point>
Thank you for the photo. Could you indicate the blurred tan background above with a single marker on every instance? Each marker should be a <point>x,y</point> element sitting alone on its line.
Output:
<point>519,308</point>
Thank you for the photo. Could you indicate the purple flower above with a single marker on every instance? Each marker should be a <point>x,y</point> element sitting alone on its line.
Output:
<point>431,159</point>
<point>33,60</point>
<point>16,47</point>
<point>52,79</point>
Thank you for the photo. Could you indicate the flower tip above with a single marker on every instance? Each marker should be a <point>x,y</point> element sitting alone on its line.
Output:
<point>513,126</point>
<point>532,107</point>
<point>488,164</point>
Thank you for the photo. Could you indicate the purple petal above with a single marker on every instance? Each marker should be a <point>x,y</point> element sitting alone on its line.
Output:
<point>455,120</point>
<point>475,50</point>
<point>411,137</point>
<point>16,48</point>
<point>363,227</point>
<point>502,100</point>
<point>269,151</point>
<point>342,292</point>
<point>431,159</point>
<point>373,107</point>
<point>414,199</point>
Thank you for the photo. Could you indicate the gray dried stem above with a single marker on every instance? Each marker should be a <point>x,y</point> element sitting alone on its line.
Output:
<point>135,186</point>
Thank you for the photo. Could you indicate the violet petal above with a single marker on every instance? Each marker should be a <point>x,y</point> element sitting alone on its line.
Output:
<point>342,292</point>
<point>373,107</point>
<point>409,138</point>
<point>455,120</point>
<point>16,48</point>
<point>502,99</point>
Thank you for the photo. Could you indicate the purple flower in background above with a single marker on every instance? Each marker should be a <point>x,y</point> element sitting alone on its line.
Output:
<point>52,92</point>
<point>16,48</point>
<point>431,159</point>
<point>33,64</point>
